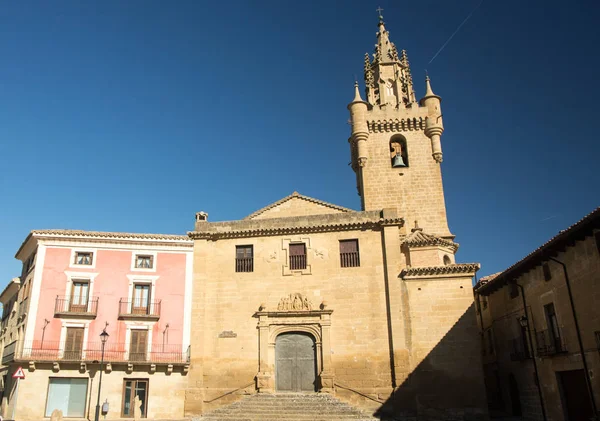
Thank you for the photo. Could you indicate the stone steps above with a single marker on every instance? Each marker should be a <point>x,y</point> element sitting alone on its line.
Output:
<point>287,407</point>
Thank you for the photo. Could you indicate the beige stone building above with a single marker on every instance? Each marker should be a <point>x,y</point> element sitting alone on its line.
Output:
<point>369,305</point>
<point>540,324</point>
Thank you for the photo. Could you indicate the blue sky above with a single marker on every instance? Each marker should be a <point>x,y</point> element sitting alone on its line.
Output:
<point>131,116</point>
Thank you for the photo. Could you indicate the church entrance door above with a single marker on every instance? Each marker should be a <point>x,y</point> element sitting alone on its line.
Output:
<point>295,363</point>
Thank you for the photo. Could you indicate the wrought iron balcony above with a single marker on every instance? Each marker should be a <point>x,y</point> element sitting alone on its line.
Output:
<point>519,350</point>
<point>245,264</point>
<point>113,353</point>
<point>549,343</point>
<point>139,309</point>
<point>76,307</point>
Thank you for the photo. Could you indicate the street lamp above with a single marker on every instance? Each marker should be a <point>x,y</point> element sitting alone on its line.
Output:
<point>103,338</point>
<point>522,321</point>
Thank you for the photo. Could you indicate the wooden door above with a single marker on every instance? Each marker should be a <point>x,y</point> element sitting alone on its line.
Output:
<point>79,297</point>
<point>576,399</point>
<point>73,343</point>
<point>141,299</point>
<point>138,345</point>
<point>295,363</point>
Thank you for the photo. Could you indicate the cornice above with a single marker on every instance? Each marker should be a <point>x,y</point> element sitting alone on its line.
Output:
<point>420,239</point>
<point>397,125</point>
<point>263,231</point>
<point>454,270</point>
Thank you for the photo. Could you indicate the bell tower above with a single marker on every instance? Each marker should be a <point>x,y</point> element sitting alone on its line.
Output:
<point>395,143</point>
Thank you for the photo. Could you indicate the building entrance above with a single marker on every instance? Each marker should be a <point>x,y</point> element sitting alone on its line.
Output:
<point>295,363</point>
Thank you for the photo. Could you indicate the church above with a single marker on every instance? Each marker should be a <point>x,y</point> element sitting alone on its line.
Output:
<point>367,307</point>
<point>371,305</point>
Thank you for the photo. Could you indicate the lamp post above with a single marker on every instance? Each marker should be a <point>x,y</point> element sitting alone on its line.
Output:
<point>103,338</point>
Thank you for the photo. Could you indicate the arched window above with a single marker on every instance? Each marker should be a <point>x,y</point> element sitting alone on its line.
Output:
<point>398,152</point>
<point>447,260</point>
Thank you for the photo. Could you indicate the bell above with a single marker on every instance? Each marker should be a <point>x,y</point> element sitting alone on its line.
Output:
<point>398,162</point>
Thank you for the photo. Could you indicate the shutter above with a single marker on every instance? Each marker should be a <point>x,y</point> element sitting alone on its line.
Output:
<point>297,249</point>
<point>70,339</point>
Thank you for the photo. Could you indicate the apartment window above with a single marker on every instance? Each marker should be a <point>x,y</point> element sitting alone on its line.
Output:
<point>131,389</point>
<point>84,258</point>
<point>144,261</point>
<point>297,256</point>
<point>553,330</point>
<point>79,296</point>
<point>73,343</point>
<point>244,258</point>
<point>68,395</point>
<point>546,271</point>
<point>141,299</point>
<point>349,256</point>
<point>138,345</point>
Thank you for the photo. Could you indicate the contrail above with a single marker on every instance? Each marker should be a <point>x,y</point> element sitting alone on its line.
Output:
<point>456,31</point>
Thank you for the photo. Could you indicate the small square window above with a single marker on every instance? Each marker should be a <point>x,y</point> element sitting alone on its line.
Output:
<point>349,253</point>
<point>84,258</point>
<point>144,261</point>
<point>244,258</point>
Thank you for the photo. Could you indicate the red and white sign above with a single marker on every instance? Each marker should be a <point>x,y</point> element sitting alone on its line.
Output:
<point>19,374</point>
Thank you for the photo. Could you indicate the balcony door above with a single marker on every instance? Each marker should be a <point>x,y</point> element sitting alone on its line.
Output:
<point>138,345</point>
<point>141,299</point>
<point>79,296</point>
<point>73,343</point>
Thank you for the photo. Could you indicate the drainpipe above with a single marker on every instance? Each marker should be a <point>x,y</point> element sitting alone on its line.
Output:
<point>535,368</point>
<point>581,350</point>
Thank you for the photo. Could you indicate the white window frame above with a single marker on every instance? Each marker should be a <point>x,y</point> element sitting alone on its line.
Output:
<point>75,276</point>
<point>74,252</point>
<point>85,324</point>
<point>136,253</point>
<point>143,279</point>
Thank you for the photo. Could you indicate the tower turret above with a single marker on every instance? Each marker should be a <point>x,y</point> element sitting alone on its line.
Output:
<point>434,126</point>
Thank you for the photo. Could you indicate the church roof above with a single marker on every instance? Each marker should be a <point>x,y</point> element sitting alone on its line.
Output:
<point>296,195</point>
<point>418,238</point>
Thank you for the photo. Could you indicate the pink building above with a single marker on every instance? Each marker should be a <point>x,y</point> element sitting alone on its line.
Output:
<point>75,285</point>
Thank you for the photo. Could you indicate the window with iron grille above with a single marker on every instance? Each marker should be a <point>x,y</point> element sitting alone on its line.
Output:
<point>244,258</point>
<point>83,258</point>
<point>349,256</point>
<point>297,256</point>
<point>144,261</point>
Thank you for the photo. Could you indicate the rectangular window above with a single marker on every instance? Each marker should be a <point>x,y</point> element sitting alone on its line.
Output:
<point>79,296</point>
<point>144,261</point>
<point>141,299</point>
<point>297,256</point>
<point>244,258</point>
<point>73,343</point>
<point>349,253</point>
<point>67,394</point>
<point>553,331</point>
<point>546,271</point>
<point>138,345</point>
<point>84,258</point>
<point>131,389</point>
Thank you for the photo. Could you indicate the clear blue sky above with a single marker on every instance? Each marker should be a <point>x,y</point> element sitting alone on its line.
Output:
<point>133,115</point>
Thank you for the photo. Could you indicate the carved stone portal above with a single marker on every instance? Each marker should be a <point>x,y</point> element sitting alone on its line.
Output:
<point>296,302</point>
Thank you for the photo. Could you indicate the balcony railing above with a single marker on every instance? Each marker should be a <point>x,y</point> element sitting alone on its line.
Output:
<point>138,308</point>
<point>244,264</point>
<point>298,262</point>
<point>348,260</point>
<point>519,350</point>
<point>75,306</point>
<point>113,352</point>
<point>549,344</point>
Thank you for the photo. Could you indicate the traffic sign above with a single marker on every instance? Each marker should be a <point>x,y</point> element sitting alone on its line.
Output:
<point>19,374</point>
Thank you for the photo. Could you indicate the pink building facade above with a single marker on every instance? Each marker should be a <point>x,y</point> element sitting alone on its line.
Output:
<point>135,287</point>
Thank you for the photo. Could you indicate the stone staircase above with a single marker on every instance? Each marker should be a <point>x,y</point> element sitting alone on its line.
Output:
<point>287,407</point>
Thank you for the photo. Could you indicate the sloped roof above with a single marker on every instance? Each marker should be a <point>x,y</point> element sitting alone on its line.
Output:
<point>556,244</point>
<point>418,238</point>
<point>296,195</point>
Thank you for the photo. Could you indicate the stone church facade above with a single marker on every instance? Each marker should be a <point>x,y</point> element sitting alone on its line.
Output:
<point>369,305</point>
